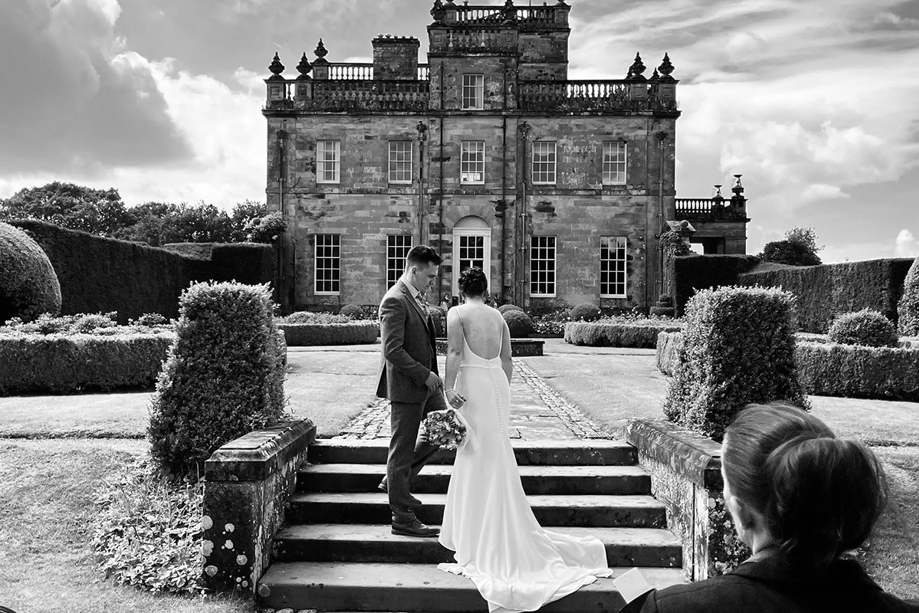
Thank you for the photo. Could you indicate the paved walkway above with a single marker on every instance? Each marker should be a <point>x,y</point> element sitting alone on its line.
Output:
<point>538,412</point>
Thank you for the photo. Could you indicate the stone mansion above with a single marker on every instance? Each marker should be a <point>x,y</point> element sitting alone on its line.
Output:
<point>557,188</point>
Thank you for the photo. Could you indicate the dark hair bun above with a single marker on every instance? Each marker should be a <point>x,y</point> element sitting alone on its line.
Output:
<point>473,282</point>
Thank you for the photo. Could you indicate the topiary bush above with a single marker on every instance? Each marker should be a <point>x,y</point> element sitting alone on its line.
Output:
<point>504,308</point>
<point>585,312</point>
<point>866,327</point>
<point>439,317</point>
<point>518,322</point>
<point>738,348</point>
<point>354,311</point>
<point>908,307</point>
<point>224,376</point>
<point>308,317</point>
<point>28,283</point>
<point>94,321</point>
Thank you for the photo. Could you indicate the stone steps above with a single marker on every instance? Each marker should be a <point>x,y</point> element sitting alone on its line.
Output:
<point>571,510</point>
<point>625,547</point>
<point>574,452</point>
<point>333,586</point>
<point>557,480</point>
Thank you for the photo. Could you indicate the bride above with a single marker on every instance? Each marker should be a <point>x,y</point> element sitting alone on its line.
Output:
<point>515,564</point>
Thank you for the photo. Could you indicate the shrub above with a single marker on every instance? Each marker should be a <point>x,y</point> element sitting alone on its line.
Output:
<point>308,317</point>
<point>224,376</point>
<point>738,348</point>
<point>504,308</point>
<point>866,327</point>
<point>668,348</point>
<point>439,317</point>
<point>147,531</point>
<point>67,363</point>
<point>518,322</point>
<point>609,333</point>
<point>88,323</point>
<point>853,371</point>
<point>551,323</point>
<point>585,312</point>
<point>348,333</point>
<point>28,283</point>
<point>908,307</point>
<point>352,311</point>
<point>149,320</point>
<point>265,229</point>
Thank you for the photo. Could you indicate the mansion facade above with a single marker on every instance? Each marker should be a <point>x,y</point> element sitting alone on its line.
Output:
<point>557,188</point>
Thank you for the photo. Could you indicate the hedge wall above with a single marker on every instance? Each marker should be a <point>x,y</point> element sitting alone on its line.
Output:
<point>695,272</point>
<point>353,333</point>
<point>615,335</point>
<point>58,364</point>
<point>852,371</point>
<point>100,275</point>
<point>828,290</point>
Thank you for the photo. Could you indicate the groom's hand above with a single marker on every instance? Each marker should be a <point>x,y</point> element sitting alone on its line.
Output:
<point>433,383</point>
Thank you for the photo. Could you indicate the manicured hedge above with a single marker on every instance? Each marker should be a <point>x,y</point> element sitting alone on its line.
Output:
<point>853,371</point>
<point>352,333</point>
<point>822,292</point>
<point>908,308</point>
<point>738,348</point>
<point>668,347</point>
<point>59,364</point>
<point>28,285</point>
<point>694,272</point>
<point>599,334</point>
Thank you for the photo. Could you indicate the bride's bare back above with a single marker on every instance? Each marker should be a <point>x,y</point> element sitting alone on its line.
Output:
<point>485,332</point>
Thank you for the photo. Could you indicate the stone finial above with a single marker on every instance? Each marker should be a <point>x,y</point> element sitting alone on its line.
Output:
<point>304,67</point>
<point>438,12</point>
<point>321,51</point>
<point>738,186</point>
<point>636,69</point>
<point>276,67</point>
<point>654,77</point>
<point>561,3</point>
<point>666,68</point>
<point>509,12</point>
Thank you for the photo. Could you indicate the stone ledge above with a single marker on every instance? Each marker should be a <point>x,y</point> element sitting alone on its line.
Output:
<point>255,456</point>
<point>689,455</point>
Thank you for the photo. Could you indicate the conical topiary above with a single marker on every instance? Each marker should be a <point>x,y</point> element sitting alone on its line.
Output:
<point>908,308</point>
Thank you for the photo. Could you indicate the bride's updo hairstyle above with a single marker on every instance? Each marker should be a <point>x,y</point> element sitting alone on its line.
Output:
<point>473,282</point>
<point>820,495</point>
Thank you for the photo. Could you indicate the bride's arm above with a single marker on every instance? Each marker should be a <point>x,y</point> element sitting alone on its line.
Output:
<point>454,350</point>
<point>506,363</point>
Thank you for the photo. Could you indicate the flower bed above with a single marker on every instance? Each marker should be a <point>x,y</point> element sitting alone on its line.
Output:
<point>347,333</point>
<point>620,332</point>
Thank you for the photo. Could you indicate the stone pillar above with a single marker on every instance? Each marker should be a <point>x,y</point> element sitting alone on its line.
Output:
<point>395,57</point>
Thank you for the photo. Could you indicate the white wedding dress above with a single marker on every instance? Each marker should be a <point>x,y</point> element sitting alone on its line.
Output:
<point>515,564</point>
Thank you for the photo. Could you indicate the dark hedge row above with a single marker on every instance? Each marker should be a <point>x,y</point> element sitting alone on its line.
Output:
<point>822,292</point>
<point>352,333</point>
<point>599,334</point>
<point>58,364</point>
<point>853,371</point>
<point>100,275</point>
<point>696,272</point>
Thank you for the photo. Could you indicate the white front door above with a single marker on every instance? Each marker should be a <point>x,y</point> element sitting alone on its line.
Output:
<point>471,249</point>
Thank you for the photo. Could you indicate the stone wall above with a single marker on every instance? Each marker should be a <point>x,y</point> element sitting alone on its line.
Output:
<point>248,483</point>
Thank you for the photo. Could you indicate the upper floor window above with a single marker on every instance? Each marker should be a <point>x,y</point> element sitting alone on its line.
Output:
<point>614,163</point>
<point>612,267</point>
<point>400,161</point>
<point>472,161</point>
<point>328,264</point>
<point>544,162</point>
<point>328,161</point>
<point>542,266</point>
<point>473,91</point>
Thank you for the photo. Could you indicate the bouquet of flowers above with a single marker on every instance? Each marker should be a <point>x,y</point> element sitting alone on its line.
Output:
<point>447,429</point>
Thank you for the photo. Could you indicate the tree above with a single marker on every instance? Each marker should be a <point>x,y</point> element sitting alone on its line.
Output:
<point>243,215</point>
<point>77,207</point>
<point>798,249</point>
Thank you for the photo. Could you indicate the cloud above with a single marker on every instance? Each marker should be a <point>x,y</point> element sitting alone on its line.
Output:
<point>906,245</point>
<point>73,98</point>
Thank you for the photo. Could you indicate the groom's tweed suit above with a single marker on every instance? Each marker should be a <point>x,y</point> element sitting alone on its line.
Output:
<point>408,356</point>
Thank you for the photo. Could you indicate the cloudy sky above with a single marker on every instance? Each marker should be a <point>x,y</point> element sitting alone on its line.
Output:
<point>816,102</point>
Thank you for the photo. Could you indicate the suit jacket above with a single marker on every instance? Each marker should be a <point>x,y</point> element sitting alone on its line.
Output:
<point>409,353</point>
<point>770,586</point>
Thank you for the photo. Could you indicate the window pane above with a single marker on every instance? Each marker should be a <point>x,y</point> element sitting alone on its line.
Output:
<point>472,162</point>
<point>544,162</point>
<point>613,267</point>
<point>400,161</point>
<point>397,248</point>
<point>614,163</point>
<point>542,266</point>
<point>473,91</point>
<point>328,156</point>
<point>328,264</point>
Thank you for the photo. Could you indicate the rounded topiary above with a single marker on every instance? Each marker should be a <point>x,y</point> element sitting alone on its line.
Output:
<point>908,308</point>
<point>585,312</point>
<point>224,376</point>
<point>866,327</point>
<point>354,311</point>
<point>518,322</point>
<point>504,308</point>
<point>28,283</point>
<point>439,317</point>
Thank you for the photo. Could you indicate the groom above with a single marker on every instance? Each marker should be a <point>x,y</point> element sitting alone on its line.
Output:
<point>409,378</point>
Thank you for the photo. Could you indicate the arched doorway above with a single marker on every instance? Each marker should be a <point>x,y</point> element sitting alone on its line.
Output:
<point>471,248</point>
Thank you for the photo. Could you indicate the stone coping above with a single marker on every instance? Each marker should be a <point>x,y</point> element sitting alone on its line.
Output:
<point>257,455</point>
<point>689,455</point>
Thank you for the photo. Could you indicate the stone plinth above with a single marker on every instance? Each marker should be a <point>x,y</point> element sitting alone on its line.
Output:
<point>248,483</point>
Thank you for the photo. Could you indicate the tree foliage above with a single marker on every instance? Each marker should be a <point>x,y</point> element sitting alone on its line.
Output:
<point>798,249</point>
<point>70,206</point>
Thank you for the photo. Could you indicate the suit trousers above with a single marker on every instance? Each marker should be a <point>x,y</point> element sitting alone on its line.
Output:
<point>408,454</point>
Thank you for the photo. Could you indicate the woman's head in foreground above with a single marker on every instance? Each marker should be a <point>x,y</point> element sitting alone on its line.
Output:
<point>817,495</point>
<point>473,282</point>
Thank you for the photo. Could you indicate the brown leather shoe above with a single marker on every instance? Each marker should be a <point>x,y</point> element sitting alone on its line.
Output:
<point>414,528</point>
